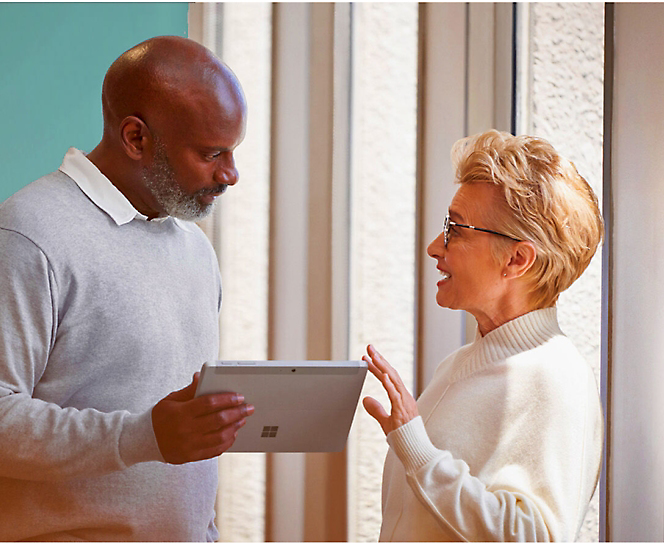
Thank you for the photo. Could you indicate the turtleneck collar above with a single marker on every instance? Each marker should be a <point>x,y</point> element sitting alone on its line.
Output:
<point>514,337</point>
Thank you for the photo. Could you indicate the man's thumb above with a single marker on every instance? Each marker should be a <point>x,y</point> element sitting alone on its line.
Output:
<point>187,393</point>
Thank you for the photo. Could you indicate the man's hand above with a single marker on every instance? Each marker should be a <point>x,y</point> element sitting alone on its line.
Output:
<point>189,429</point>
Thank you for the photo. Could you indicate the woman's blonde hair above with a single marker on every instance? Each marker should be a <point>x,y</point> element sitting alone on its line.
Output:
<point>547,202</point>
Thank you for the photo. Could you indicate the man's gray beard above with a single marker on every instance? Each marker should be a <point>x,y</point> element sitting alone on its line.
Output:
<point>161,182</point>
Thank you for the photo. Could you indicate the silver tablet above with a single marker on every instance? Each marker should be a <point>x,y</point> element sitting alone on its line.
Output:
<point>301,406</point>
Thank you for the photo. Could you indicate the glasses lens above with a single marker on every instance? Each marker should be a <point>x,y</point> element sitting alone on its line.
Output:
<point>446,229</point>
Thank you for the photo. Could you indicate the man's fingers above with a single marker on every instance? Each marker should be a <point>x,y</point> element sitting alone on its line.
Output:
<point>210,403</point>
<point>218,446</point>
<point>213,422</point>
<point>221,437</point>
<point>204,447</point>
<point>181,441</point>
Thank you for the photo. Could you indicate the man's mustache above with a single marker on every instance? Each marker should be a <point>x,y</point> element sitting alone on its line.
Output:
<point>219,189</point>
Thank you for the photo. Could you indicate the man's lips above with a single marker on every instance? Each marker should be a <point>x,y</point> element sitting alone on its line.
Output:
<point>209,196</point>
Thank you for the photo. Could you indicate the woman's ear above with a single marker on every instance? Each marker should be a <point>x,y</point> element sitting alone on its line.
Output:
<point>134,135</point>
<point>522,257</point>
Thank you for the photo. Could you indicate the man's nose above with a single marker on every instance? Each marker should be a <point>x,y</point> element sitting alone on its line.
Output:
<point>226,172</point>
<point>227,176</point>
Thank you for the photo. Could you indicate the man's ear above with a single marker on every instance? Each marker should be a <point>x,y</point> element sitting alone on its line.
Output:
<point>522,258</point>
<point>134,135</point>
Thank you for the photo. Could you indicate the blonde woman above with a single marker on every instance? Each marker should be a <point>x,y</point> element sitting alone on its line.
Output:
<point>505,442</point>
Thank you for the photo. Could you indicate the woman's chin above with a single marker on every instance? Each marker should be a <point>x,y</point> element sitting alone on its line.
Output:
<point>443,301</point>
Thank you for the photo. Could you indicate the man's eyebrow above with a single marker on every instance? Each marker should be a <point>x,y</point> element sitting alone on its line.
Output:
<point>215,149</point>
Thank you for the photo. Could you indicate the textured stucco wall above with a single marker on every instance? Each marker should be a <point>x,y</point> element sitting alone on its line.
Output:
<point>242,239</point>
<point>382,227</point>
<point>566,70</point>
<point>567,81</point>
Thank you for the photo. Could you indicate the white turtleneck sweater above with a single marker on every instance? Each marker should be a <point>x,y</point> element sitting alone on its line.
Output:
<point>507,445</point>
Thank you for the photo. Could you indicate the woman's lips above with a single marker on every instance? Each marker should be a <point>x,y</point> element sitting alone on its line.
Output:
<point>445,276</point>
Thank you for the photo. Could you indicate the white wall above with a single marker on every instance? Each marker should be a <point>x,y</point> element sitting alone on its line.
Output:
<point>383,154</point>
<point>391,277</point>
<point>241,35</point>
<point>565,106</point>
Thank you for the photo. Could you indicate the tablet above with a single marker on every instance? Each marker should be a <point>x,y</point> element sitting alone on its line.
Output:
<point>303,406</point>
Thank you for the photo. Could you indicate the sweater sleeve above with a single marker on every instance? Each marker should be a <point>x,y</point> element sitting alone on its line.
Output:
<point>461,502</point>
<point>42,440</point>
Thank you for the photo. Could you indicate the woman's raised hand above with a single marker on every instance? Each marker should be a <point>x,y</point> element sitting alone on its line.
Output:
<point>404,408</point>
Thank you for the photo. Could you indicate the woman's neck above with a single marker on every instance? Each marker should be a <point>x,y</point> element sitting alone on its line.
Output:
<point>504,311</point>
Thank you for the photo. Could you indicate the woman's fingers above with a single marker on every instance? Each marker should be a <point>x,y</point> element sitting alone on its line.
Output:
<point>375,409</point>
<point>378,358</point>
<point>403,405</point>
<point>390,379</point>
<point>385,366</point>
<point>373,368</point>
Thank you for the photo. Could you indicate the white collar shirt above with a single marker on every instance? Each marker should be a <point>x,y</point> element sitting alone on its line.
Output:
<point>106,196</point>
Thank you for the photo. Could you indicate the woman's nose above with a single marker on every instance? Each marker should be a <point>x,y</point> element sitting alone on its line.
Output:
<point>437,246</point>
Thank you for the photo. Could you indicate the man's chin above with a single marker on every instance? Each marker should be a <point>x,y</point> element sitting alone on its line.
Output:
<point>191,214</point>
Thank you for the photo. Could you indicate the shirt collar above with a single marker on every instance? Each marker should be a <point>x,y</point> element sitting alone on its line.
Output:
<point>102,192</point>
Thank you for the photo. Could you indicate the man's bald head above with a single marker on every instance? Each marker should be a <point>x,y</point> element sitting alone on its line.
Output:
<point>173,116</point>
<point>163,76</point>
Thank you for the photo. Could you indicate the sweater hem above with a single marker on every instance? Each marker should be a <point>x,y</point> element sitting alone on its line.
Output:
<point>137,440</point>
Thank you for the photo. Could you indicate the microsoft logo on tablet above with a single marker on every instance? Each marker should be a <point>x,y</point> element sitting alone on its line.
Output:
<point>270,431</point>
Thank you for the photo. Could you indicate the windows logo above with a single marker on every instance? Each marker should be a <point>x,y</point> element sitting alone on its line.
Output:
<point>269,431</point>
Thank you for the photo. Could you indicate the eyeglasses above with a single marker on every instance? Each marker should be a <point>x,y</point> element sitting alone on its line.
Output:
<point>448,223</point>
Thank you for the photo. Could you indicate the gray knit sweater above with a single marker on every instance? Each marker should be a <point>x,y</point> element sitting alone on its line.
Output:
<point>98,322</point>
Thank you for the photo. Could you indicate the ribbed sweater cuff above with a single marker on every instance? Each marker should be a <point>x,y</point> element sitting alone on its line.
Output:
<point>412,445</point>
<point>137,440</point>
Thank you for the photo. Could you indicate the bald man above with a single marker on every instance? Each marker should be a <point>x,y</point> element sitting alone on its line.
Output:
<point>109,302</point>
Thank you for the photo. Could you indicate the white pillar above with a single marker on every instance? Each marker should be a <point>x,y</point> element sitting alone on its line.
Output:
<point>636,346</point>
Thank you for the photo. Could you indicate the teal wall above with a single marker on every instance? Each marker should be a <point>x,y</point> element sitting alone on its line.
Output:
<point>53,57</point>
